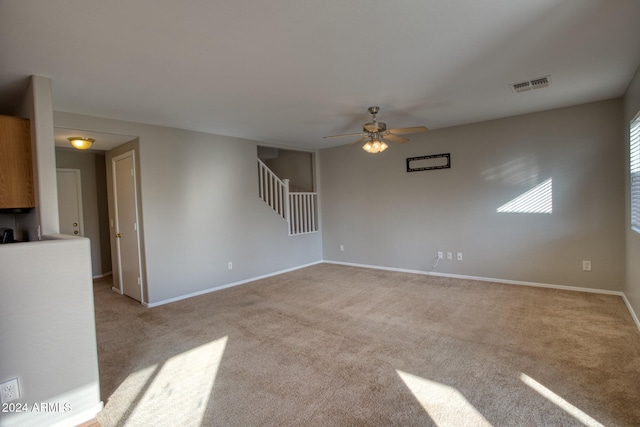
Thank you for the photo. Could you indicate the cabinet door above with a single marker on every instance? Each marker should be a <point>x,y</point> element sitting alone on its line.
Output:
<point>16,170</point>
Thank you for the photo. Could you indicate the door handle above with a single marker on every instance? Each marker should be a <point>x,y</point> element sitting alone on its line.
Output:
<point>118,235</point>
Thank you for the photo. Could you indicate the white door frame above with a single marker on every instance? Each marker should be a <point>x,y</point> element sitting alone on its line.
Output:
<point>115,159</point>
<point>78,174</point>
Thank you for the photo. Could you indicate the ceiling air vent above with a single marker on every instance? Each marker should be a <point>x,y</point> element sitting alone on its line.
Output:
<point>531,84</point>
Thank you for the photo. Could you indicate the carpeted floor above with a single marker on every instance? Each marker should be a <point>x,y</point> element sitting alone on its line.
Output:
<point>333,345</point>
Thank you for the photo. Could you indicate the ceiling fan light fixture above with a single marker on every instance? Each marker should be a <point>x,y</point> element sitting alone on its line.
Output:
<point>375,146</point>
<point>81,143</point>
<point>377,132</point>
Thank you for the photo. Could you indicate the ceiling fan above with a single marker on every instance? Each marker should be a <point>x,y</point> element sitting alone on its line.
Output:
<point>377,135</point>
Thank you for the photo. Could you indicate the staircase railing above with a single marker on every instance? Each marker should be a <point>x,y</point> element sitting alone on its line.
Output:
<point>299,209</point>
<point>272,190</point>
<point>303,208</point>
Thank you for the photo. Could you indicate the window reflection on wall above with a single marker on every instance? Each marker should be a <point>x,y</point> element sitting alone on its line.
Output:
<point>537,200</point>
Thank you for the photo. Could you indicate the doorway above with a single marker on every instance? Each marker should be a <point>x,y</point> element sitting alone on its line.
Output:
<point>128,261</point>
<point>70,201</point>
<point>88,207</point>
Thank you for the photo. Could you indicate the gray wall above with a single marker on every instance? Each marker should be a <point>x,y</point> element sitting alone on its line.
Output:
<point>201,210</point>
<point>46,298</point>
<point>48,330</point>
<point>37,105</point>
<point>632,279</point>
<point>94,202</point>
<point>387,217</point>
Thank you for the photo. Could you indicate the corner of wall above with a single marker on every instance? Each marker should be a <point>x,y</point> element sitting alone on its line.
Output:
<point>631,102</point>
<point>37,106</point>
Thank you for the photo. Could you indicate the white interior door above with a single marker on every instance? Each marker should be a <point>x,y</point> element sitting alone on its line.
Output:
<point>70,202</point>
<point>126,225</point>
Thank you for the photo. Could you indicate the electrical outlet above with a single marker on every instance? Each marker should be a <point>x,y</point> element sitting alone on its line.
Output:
<point>439,255</point>
<point>9,390</point>
<point>341,248</point>
<point>230,265</point>
<point>459,256</point>
<point>449,255</point>
<point>586,265</point>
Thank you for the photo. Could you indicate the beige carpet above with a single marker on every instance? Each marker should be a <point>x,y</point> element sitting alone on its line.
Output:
<point>333,345</point>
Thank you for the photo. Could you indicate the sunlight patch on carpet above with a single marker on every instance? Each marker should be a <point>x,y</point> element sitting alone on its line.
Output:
<point>180,392</point>
<point>445,405</point>
<point>131,387</point>
<point>560,402</point>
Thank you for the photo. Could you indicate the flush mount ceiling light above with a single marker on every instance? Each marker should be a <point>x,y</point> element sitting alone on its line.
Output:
<point>81,143</point>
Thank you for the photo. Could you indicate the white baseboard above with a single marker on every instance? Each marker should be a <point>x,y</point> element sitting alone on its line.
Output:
<point>228,285</point>
<point>100,276</point>
<point>508,282</point>
<point>633,313</point>
<point>402,270</point>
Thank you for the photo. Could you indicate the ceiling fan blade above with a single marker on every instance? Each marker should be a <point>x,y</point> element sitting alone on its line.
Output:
<point>360,140</point>
<point>393,138</point>
<point>345,134</point>
<point>401,131</point>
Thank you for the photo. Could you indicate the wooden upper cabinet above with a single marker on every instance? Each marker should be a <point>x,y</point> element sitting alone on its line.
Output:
<point>16,169</point>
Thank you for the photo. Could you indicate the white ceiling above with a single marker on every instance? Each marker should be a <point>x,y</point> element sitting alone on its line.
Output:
<point>291,71</point>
